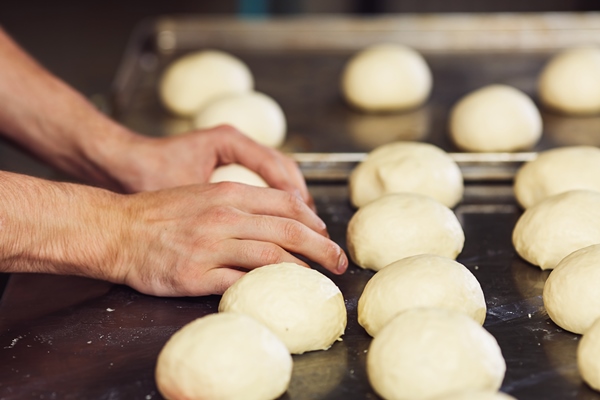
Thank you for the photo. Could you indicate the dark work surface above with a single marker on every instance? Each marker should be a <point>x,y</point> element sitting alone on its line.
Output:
<point>65,337</point>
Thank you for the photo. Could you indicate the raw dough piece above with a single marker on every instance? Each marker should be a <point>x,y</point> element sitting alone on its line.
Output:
<point>386,77</point>
<point>557,226</point>
<point>570,82</point>
<point>428,352</point>
<point>223,356</point>
<point>192,81</point>
<point>556,171</point>
<point>571,291</point>
<point>401,225</point>
<point>420,281</point>
<point>478,396</point>
<point>237,173</point>
<point>588,356</point>
<point>300,305</point>
<point>495,118</point>
<point>254,114</point>
<point>407,167</point>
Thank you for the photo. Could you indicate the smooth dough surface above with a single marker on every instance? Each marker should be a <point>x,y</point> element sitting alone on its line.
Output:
<point>495,118</point>
<point>420,281</point>
<point>588,356</point>
<point>570,82</point>
<point>223,356</point>
<point>407,167</point>
<point>303,307</point>
<point>192,81</point>
<point>427,353</point>
<point>237,173</point>
<point>557,171</point>
<point>557,226</point>
<point>254,114</point>
<point>401,225</point>
<point>571,291</point>
<point>386,77</point>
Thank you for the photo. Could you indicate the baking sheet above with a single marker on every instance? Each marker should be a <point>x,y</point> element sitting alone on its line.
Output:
<point>63,337</point>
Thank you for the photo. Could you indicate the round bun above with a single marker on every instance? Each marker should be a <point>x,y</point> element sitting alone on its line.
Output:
<point>386,77</point>
<point>588,356</point>
<point>428,353</point>
<point>419,281</point>
<point>401,225</point>
<point>407,167</point>
<point>495,118</point>
<point>571,291</point>
<point>254,114</point>
<point>237,173</point>
<point>192,81</point>
<point>215,357</point>
<point>303,307</point>
<point>570,82</point>
<point>557,226</point>
<point>557,171</point>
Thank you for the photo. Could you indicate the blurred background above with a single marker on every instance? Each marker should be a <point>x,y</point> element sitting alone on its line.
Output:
<point>83,41</point>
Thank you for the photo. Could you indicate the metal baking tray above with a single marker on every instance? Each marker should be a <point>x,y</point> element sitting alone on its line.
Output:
<point>90,339</point>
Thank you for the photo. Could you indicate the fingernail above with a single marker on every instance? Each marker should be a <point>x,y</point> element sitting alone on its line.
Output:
<point>342,263</point>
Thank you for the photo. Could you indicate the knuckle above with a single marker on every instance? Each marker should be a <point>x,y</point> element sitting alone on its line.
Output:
<point>222,214</point>
<point>293,232</point>
<point>271,254</point>
<point>295,204</point>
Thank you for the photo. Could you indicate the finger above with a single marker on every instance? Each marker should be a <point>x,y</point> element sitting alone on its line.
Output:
<point>294,237</point>
<point>251,254</point>
<point>269,201</point>
<point>218,280</point>
<point>278,170</point>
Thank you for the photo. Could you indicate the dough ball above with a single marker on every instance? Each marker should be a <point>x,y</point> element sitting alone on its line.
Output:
<point>192,81</point>
<point>223,356</point>
<point>237,173</point>
<point>570,82</point>
<point>478,395</point>
<point>495,118</point>
<point>588,356</point>
<point>407,167</point>
<point>556,171</point>
<point>386,77</point>
<point>570,294</point>
<point>420,281</point>
<point>401,225</point>
<point>254,114</point>
<point>428,353</point>
<point>300,305</point>
<point>557,226</point>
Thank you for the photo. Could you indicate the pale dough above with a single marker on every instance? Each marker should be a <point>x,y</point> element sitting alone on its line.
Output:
<point>237,173</point>
<point>401,225</point>
<point>571,291</point>
<point>223,356</point>
<point>254,114</point>
<point>570,82</point>
<point>427,353</point>
<point>588,356</point>
<point>420,281</point>
<point>556,171</point>
<point>557,226</point>
<point>495,118</point>
<point>303,307</point>
<point>386,77</point>
<point>407,167</point>
<point>192,81</point>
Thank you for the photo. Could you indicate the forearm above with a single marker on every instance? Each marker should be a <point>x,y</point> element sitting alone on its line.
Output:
<point>58,228</point>
<point>48,118</point>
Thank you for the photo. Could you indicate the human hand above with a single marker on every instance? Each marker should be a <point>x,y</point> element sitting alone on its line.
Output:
<point>143,163</point>
<point>199,239</point>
